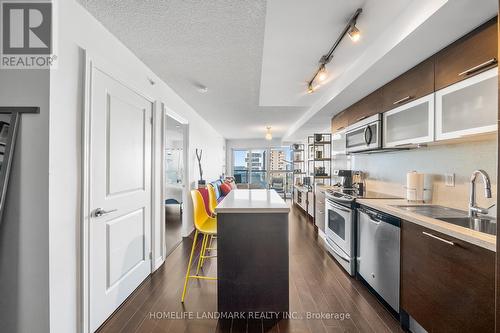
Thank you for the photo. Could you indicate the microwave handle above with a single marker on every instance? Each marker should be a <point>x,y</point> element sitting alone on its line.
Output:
<point>370,137</point>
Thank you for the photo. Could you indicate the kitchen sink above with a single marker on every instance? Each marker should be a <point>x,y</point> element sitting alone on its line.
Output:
<point>483,224</point>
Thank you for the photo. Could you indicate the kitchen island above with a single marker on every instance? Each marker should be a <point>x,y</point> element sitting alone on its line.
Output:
<point>252,252</point>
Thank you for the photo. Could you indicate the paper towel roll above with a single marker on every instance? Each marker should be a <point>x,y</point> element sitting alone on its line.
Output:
<point>414,186</point>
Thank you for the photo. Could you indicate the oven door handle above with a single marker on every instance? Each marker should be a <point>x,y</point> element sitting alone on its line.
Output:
<point>346,210</point>
<point>341,256</point>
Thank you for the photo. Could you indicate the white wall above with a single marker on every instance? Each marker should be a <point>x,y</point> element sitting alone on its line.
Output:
<point>78,31</point>
<point>24,241</point>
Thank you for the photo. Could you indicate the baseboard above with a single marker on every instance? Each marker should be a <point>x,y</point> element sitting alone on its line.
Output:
<point>158,262</point>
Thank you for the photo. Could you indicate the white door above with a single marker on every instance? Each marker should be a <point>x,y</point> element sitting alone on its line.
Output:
<point>120,186</point>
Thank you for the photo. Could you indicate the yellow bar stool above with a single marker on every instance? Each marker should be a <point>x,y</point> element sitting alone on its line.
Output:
<point>205,225</point>
<point>212,204</point>
<point>212,199</point>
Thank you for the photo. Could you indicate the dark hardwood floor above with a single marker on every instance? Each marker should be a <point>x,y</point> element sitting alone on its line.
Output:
<point>317,285</point>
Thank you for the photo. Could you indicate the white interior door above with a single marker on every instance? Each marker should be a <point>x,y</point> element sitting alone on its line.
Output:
<point>120,194</point>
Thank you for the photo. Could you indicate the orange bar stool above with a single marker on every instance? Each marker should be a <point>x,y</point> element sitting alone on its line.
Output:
<point>206,225</point>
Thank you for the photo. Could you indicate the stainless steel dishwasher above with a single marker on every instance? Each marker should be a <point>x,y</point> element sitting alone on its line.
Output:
<point>378,253</point>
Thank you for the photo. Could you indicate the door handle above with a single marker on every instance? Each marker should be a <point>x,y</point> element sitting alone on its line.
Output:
<point>438,238</point>
<point>368,130</point>
<point>404,99</point>
<point>478,67</point>
<point>99,212</point>
<point>341,256</point>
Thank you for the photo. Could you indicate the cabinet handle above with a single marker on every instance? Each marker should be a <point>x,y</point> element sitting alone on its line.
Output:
<point>404,99</point>
<point>340,128</point>
<point>478,67</point>
<point>361,118</point>
<point>438,238</point>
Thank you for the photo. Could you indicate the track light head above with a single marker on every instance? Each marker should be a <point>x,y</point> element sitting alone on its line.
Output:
<point>310,88</point>
<point>322,73</point>
<point>354,33</point>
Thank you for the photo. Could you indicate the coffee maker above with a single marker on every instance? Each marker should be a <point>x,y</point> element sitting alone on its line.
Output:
<point>344,177</point>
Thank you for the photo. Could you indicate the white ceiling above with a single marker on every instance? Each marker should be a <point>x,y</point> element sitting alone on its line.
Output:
<point>216,43</point>
<point>299,32</point>
<point>255,65</point>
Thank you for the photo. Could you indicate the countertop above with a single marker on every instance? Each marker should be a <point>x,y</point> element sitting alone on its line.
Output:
<point>252,201</point>
<point>471,236</point>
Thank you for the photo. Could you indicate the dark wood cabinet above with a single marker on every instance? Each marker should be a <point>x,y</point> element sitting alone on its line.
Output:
<point>368,106</point>
<point>468,56</point>
<point>339,121</point>
<point>411,85</point>
<point>447,285</point>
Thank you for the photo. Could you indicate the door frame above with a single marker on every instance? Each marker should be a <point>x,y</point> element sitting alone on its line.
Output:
<point>167,112</point>
<point>90,63</point>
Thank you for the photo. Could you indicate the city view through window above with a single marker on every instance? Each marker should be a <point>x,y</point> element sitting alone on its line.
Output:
<point>263,168</point>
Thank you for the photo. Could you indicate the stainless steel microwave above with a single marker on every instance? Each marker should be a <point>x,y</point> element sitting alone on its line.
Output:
<point>365,135</point>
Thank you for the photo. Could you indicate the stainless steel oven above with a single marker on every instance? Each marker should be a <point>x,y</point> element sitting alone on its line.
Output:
<point>340,233</point>
<point>364,135</point>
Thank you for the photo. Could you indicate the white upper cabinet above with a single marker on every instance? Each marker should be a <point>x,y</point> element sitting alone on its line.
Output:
<point>468,107</point>
<point>410,124</point>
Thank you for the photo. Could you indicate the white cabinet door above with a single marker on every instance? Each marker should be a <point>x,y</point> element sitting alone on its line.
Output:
<point>338,143</point>
<point>411,123</point>
<point>468,107</point>
<point>310,203</point>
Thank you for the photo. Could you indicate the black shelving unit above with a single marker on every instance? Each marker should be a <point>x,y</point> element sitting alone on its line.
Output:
<point>320,158</point>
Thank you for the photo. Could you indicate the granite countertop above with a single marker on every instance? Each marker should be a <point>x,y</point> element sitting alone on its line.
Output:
<point>252,201</point>
<point>471,236</point>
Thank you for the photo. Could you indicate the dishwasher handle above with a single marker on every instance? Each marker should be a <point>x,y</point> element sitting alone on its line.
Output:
<point>377,217</point>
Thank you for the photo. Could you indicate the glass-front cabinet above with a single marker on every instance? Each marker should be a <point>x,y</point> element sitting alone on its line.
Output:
<point>468,107</point>
<point>410,124</point>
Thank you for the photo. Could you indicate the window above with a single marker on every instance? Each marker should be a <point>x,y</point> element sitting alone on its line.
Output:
<point>264,168</point>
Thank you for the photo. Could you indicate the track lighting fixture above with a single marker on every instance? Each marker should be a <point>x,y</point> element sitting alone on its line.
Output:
<point>321,73</point>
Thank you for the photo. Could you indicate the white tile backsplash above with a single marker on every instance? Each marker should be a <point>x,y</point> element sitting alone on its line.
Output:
<point>386,172</point>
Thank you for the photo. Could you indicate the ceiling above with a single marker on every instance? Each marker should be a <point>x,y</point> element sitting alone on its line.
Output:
<point>299,32</point>
<point>256,56</point>
<point>216,43</point>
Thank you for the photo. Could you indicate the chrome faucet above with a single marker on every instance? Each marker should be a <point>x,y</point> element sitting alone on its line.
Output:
<point>473,209</point>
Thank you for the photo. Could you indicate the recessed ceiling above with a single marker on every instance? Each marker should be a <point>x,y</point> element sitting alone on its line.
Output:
<point>299,32</point>
<point>255,65</point>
